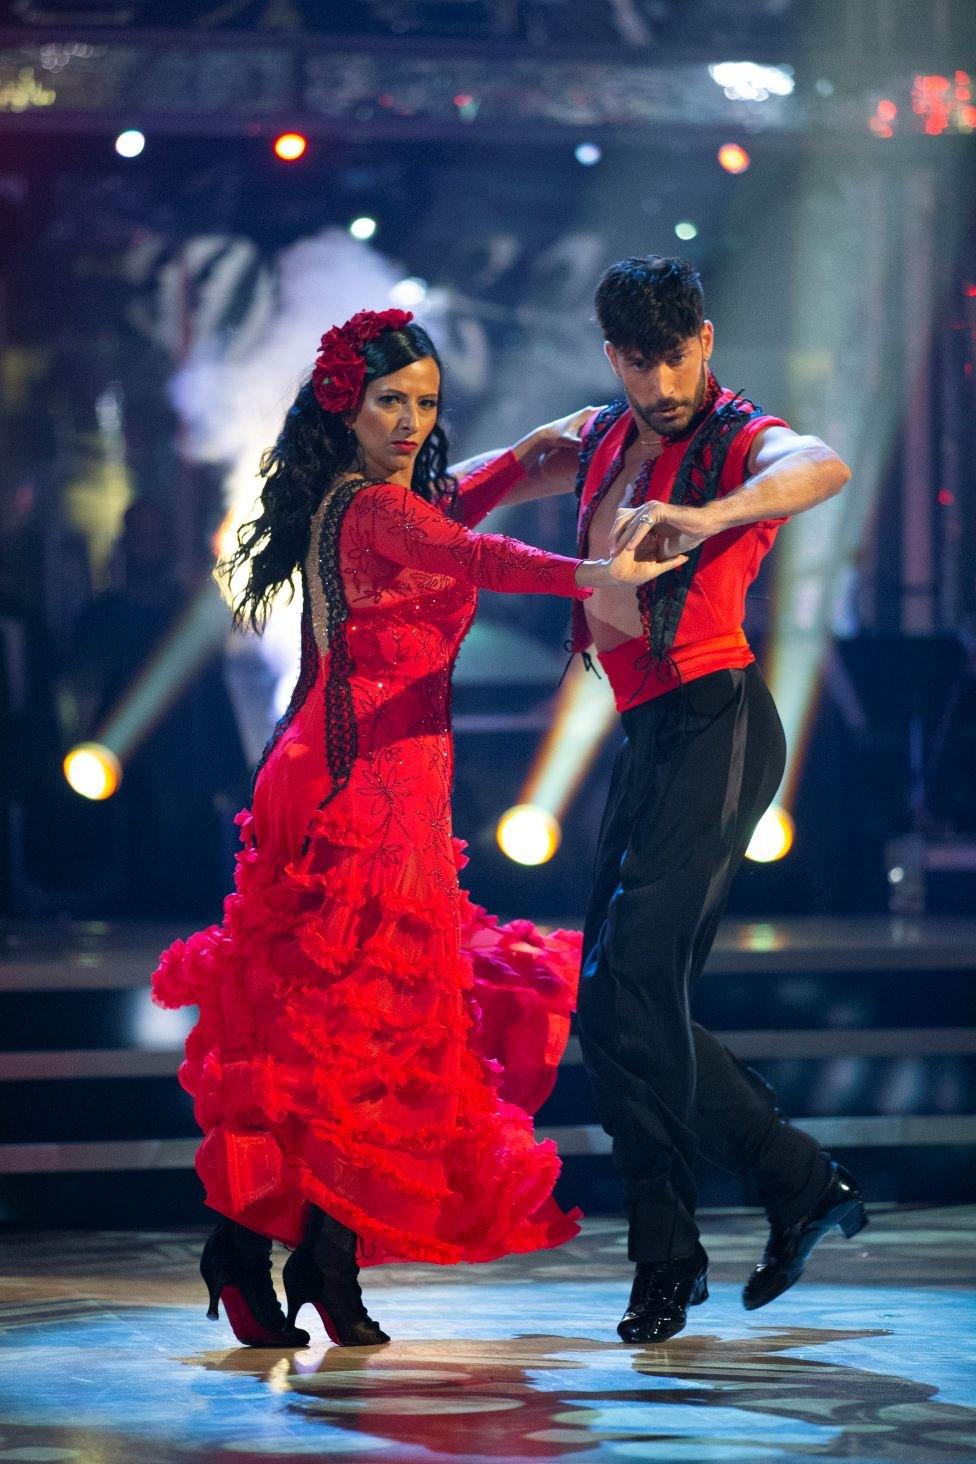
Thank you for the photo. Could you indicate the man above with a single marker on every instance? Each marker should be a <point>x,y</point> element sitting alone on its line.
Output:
<point>684,467</point>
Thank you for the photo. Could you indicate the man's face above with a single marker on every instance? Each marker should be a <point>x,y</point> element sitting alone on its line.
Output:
<point>665,393</point>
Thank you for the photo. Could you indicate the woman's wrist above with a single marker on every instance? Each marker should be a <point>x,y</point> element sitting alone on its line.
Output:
<point>529,449</point>
<point>593,574</point>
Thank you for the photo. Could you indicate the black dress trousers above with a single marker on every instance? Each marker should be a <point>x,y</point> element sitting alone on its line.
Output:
<point>698,768</point>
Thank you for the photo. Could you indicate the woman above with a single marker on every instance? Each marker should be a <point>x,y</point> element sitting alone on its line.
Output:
<point>369,1043</point>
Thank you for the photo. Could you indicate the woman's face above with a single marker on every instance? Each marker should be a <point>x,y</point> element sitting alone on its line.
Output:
<point>397,415</point>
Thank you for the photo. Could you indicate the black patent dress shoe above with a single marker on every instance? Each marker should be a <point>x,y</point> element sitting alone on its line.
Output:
<point>661,1295</point>
<point>789,1246</point>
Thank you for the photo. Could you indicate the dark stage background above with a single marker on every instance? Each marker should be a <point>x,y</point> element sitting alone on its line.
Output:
<point>156,313</point>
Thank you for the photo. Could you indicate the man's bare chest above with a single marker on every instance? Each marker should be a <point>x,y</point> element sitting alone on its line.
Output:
<point>619,495</point>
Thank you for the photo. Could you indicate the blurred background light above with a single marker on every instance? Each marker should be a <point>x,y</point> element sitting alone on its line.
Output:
<point>745,81</point>
<point>129,144</point>
<point>290,146</point>
<point>363,228</point>
<point>467,105</point>
<point>409,292</point>
<point>528,834</point>
<point>773,838</point>
<point>686,230</point>
<point>733,157</point>
<point>93,771</point>
<point>588,153</point>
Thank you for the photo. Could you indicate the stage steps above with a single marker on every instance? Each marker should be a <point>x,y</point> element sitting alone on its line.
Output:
<point>867,1028</point>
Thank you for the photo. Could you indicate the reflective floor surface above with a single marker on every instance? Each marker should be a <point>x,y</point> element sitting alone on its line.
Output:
<point>108,1359</point>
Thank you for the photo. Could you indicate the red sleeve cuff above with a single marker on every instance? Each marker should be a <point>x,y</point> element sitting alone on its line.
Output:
<point>506,470</point>
<point>483,490</point>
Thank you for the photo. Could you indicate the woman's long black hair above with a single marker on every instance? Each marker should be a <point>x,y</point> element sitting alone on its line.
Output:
<point>312,449</point>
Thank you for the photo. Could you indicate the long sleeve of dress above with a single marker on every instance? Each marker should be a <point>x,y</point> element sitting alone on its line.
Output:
<point>394,522</point>
<point>480,491</point>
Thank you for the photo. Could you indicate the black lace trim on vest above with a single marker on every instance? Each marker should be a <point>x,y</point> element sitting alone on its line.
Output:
<point>662,600</point>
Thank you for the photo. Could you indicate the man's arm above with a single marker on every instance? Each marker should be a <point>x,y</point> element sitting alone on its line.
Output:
<point>788,475</point>
<point>549,454</point>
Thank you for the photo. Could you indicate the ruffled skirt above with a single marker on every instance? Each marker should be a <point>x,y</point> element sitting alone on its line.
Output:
<point>375,1048</point>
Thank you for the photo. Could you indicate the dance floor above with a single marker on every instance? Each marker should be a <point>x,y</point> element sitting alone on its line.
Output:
<point>108,1358</point>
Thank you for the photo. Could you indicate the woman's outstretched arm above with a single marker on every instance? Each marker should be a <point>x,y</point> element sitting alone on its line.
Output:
<point>393,521</point>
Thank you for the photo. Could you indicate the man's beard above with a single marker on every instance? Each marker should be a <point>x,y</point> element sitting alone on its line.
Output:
<point>687,410</point>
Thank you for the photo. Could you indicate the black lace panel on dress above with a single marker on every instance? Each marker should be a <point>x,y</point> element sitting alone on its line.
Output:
<point>339,711</point>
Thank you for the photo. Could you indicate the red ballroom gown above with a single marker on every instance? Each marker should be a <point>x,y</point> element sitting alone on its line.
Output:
<point>368,1039</point>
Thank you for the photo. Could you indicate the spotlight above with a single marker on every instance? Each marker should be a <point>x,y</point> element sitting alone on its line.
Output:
<point>93,770</point>
<point>773,838</point>
<point>290,146</point>
<point>744,81</point>
<point>588,153</point>
<point>686,230</point>
<point>733,158</point>
<point>363,228</point>
<point>129,144</point>
<point>528,834</point>
<point>410,292</point>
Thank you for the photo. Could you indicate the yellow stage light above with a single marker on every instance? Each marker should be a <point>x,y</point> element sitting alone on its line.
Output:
<point>93,771</point>
<point>773,838</point>
<point>528,834</point>
<point>290,146</point>
<point>733,157</point>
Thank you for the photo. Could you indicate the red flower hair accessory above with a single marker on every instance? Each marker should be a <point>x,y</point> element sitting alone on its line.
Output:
<point>340,366</point>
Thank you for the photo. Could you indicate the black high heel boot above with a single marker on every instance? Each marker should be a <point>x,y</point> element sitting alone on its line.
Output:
<point>323,1270</point>
<point>236,1265</point>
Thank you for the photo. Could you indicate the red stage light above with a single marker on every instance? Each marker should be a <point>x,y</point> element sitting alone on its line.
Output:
<point>931,99</point>
<point>290,146</point>
<point>733,158</point>
<point>946,498</point>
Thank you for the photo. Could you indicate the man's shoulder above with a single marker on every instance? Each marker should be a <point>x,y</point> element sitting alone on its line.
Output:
<point>595,434</point>
<point>603,419</point>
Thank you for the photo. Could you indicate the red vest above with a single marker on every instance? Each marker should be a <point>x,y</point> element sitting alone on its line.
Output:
<point>692,625</point>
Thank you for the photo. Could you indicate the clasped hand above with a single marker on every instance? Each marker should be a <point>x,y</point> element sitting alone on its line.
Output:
<point>658,531</point>
<point>653,538</point>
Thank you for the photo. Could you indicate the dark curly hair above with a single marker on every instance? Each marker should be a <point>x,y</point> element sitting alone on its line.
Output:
<point>650,305</point>
<point>312,449</point>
